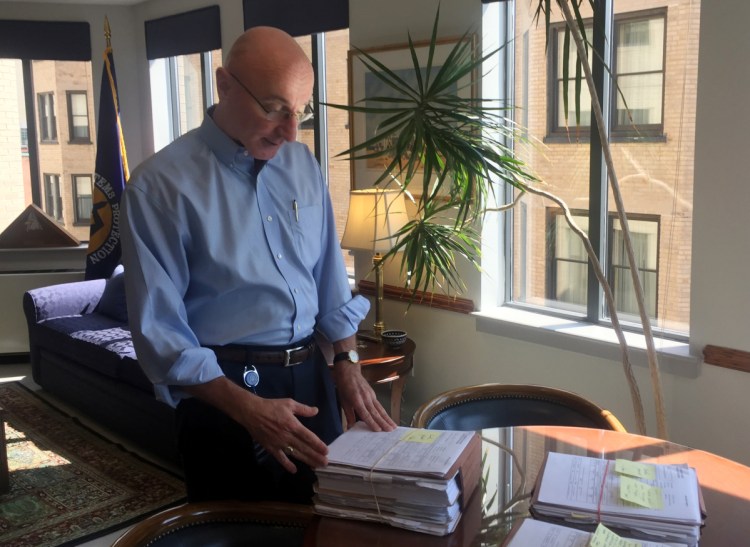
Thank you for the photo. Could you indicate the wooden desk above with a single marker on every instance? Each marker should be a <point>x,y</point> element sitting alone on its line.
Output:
<point>382,364</point>
<point>725,485</point>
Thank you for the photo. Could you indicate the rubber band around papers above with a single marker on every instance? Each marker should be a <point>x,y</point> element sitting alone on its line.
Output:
<point>372,484</point>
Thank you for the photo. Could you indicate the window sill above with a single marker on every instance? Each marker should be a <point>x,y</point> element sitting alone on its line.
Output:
<point>567,334</point>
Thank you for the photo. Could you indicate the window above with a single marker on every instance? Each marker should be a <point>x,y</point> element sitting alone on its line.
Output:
<point>184,51</point>
<point>47,119</point>
<point>78,117</point>
<point>82,198</point>
<point>644,234</point>
<point>182,88</point>
<point>331,124</point>
<point>546,268</point>
<point>638,79</point>
<point>40,61</point>
<point>568,267</point>
<point>52,196</point>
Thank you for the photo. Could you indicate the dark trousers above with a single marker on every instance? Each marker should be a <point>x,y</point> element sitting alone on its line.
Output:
<point>220,459</point>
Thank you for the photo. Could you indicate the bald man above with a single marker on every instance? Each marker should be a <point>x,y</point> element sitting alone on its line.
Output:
<point>232,265</point>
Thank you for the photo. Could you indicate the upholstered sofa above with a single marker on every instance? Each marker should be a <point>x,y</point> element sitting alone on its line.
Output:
<point>81,351</point>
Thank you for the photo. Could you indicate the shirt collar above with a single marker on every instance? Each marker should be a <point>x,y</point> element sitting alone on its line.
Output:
<point>226,149</point>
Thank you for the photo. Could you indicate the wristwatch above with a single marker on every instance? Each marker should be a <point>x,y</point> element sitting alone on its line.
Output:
<point>350,355</point>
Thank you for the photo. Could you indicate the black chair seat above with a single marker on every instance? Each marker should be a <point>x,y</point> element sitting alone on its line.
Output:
<point>505,405</point>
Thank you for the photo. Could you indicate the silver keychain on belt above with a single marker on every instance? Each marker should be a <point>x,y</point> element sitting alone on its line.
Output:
<point>251,377</point>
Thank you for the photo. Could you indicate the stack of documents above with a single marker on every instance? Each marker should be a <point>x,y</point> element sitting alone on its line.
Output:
<point>533,533</point>
<point>410,478</point>
<point>638,500</point>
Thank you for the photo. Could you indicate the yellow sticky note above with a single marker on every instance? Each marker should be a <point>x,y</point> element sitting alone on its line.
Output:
<point>421,436</point>
<point>635,469</point>
<point>604,537</point>
<point>641,493</point>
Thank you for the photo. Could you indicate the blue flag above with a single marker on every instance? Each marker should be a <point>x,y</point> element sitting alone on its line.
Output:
<point>109,180</point>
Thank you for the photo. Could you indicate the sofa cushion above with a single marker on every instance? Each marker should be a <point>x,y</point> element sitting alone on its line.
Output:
<point>95,341</point>
<point>112,303</point>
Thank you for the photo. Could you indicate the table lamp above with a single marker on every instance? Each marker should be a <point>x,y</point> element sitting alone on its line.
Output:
<point>375,217</point>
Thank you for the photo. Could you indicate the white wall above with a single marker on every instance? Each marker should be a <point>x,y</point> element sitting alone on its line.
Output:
<point>707,410</point>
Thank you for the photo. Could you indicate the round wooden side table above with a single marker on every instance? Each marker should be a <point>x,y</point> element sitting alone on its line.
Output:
<point>382,364</point>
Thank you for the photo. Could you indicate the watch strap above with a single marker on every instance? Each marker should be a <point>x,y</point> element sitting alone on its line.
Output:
<point>343,356</point>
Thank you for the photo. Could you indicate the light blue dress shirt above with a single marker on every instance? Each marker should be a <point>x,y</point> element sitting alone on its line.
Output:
<point>215,255</point>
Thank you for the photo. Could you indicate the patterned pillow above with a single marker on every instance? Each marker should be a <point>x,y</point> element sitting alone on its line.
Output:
<point>112,303</point>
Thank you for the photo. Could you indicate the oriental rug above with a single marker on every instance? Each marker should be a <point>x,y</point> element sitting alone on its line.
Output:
<point>69,484</point>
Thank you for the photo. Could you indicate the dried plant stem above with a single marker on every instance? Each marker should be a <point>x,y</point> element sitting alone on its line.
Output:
<point>635,393</point>
<point>645,321</point>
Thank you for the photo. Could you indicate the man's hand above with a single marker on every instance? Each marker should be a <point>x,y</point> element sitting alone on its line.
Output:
<point>272,423</point>
<point>358,399</point>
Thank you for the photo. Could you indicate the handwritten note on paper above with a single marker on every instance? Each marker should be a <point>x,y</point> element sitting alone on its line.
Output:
<point>635,469</point>
<point>421,436</point>
<point>604,537</point>
<point>641,493</point>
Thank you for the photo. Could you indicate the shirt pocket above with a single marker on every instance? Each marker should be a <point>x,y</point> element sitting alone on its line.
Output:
<point>307,232</point>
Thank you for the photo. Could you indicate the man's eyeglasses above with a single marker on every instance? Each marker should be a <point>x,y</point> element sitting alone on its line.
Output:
<point>278,116</point>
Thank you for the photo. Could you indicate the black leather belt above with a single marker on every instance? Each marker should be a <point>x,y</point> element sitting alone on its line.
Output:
<point>248,355</point>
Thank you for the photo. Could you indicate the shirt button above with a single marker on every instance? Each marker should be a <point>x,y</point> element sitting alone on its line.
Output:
<point>278,256</point>
<point>296,291</point>
<point>269,218</point>
<point>246,153</point>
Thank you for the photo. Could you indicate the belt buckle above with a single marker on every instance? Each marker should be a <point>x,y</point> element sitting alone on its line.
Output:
<point>288,356</point>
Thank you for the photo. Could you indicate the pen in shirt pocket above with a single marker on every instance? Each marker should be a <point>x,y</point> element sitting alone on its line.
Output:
<point>296,210</point>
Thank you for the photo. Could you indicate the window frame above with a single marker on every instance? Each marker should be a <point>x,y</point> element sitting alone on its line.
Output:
<point>617,132</point>
<point>72,138</point>
<point>553,258</point>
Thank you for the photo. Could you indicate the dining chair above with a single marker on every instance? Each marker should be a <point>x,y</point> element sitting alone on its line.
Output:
<point>222,524</point>
<point>505,405</point>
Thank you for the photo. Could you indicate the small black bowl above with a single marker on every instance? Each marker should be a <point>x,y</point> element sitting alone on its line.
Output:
<point>393,337</point>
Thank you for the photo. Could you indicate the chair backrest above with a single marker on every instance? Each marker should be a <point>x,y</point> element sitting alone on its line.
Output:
<point>223,524</point>
<point>505,405</point>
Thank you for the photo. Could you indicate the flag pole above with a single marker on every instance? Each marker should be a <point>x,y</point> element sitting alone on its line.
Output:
<point>107,32</point>
<point>110,174</point>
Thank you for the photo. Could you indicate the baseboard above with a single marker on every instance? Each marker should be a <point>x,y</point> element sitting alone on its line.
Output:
<point>14,358</point>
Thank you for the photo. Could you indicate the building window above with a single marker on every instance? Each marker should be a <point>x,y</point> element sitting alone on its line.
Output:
<point>568,264</point>
<point>644,235</point>
<point>637,74</point>
<point>47,119</point>
<point>78,117</point>
<point>82,200</point>
<point>53,196</point>
<point>568,268</point>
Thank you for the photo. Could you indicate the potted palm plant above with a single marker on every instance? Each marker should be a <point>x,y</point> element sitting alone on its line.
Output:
<point>454,151</point>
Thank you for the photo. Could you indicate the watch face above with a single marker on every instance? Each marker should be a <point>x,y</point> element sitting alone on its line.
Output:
<point>353,356</point>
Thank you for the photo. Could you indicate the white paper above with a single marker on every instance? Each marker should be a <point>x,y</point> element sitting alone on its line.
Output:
<point>389,452</point>
<point>535,533</point>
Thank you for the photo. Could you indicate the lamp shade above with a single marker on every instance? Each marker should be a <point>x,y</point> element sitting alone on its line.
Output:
<point>375,217</point>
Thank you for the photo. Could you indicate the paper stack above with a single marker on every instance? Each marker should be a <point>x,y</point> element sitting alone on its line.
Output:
<point>638,500</point>
<point>410,478</point>
<point>532,533</point>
